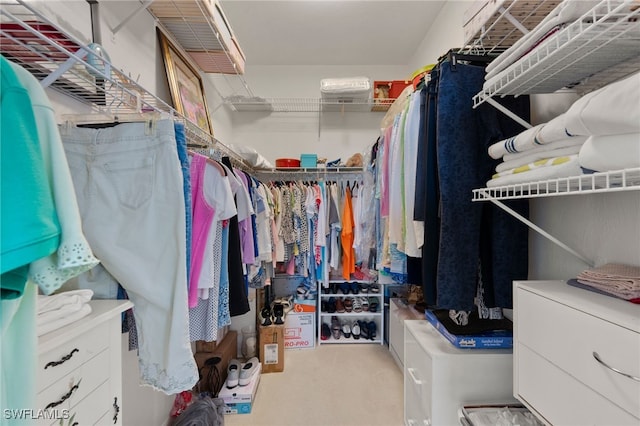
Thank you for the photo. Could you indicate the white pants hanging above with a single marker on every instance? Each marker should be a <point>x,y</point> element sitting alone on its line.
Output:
<point>129,190</point>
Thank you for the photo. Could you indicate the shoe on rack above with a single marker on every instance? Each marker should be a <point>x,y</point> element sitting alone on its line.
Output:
<point>345,287</point>
<point>348,304</point>
<point>373,304</point>
<point>331,305</point>
<point>248,370</point>
<point>365,303</point>
<point>346,330</point>
<point>374,288</point>
<point>278,314</point>
<point>364,288</point>
<point>355,330</point>
<point>233,373</point>
<point>265,316</point>
<point>334,288</point>
<point>357,304</point>
<point>364,330</point>
<point>371,328</point>
<point>355,287</point>
<point>339,305</point>
<point>335,327</point>
<point>325,332</point>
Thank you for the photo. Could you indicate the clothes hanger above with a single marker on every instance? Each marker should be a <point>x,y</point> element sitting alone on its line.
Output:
<point>213,162</point>
<point>113,118</point>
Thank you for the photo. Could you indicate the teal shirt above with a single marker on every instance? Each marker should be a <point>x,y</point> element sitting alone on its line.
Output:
<point>29,228</point>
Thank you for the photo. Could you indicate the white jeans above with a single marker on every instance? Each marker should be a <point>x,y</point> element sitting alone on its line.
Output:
<point>129,187</point>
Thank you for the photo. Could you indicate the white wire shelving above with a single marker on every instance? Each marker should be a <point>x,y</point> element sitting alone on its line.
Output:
<point>610,181</point>
<point>601,47</point>
<point>600,182</point>
<point>61,62</point>
<point>311,173</point>
<point>259,104</point>
<point>498,24</point>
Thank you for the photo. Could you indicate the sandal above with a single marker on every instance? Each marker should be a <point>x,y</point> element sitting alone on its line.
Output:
<point>339,305</point>
<point>357,304</point>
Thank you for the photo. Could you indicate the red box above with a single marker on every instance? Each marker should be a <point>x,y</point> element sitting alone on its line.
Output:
<point>396,87</point>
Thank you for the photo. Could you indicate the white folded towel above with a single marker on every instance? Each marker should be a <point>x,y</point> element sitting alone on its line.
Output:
<point>563,143</point>
<point>570,168</point>
<point>59,300</point>
<point>61,322</point>
<point>529,140</point>
<point>547,162</point>
<point>611,110</point>
<point>567,11</point>
<point>612,152</point>
<point>530,157</point>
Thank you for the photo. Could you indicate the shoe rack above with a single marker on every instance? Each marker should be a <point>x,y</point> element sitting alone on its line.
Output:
<point>345,303</point>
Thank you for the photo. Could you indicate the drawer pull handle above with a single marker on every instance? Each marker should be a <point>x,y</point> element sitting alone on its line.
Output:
<point>62,360</point>
<point>413,376</point>
<point>64,398</point>
<point>116,409</point>
<point>597,357</point>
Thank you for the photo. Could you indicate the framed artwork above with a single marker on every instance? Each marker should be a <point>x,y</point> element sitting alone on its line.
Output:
<point>185,84</point>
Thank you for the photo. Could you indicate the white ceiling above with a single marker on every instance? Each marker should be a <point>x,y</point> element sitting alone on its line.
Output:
<point>329,32</point>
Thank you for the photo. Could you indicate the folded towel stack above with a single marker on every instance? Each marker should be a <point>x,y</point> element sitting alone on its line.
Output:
<point>60,309</point>
<point>602,128</point>
<point>614,279</point>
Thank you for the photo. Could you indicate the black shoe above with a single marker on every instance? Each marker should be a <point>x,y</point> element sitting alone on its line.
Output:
<point>278,314</point>
<point>265,316</point>
<point>325,332</point>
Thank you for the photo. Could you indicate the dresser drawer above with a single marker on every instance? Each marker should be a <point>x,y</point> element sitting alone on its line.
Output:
<point>561,399</point>
<point>94,409</point>
<point>568,338</point>
<point>87,378</point>
<point>58,362</point>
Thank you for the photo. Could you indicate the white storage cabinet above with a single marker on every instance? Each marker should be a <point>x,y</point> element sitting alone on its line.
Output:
<point>559,332</point>
<point>80,368</point>
<point>439,378</point>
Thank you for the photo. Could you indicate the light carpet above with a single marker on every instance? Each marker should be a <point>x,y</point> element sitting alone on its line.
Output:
<point>330,385</point>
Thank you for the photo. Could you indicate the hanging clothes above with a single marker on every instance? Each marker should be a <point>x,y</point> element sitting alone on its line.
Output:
<point>238,298</point>
<point>43,230</point>
<point>346,236</point>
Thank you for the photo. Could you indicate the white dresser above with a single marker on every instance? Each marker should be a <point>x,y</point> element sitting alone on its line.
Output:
<point>80,368</point>
<point>559,332</point>
<point>439,379</point>
<point>399,312</point>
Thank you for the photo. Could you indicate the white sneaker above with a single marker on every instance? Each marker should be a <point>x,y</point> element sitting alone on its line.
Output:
<point>233,373</point>
<point>248,370</point>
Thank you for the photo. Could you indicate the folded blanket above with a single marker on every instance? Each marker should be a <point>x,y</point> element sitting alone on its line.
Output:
<point>61,322</point>
<point>618,279</point>
<point>530,139</point>
<point>569,168</point>
<point>567,11</point>
<point>562,143</point>
<point>57,301</point>
<point>614,152</point>
<point>547,162</point>
<point>575,283</point>
<point>611,110</point>
<point>531,156</point>
<point>63,312</point>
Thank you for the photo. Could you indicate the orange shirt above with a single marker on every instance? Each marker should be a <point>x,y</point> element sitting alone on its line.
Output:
<point>346,238</point>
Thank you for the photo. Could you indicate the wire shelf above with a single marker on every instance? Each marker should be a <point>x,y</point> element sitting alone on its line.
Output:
<point>63,63</point>
<point>506,20</point>
<point>258,104</point>
<point>319,173</point>
<point>610,181</point>
<point>601,47</point>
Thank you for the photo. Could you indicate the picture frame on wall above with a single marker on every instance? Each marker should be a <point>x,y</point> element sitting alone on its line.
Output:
<point>185,85</point>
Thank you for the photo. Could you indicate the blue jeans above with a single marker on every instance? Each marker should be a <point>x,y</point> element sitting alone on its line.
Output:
<point>473,234</point>
<point>181,143</point>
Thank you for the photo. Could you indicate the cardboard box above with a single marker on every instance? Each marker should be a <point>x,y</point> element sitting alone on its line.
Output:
<point>499,339</point>
<point>239,400</point>
<point>299,330</point>
<point>226,350</point>
<point>203,346</point>
<point>271,340</point>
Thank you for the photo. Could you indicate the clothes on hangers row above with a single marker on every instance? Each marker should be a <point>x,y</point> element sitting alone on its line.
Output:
<point>428,162</point>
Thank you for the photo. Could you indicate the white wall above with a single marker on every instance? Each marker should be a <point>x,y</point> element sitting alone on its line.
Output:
<point>287,135</point>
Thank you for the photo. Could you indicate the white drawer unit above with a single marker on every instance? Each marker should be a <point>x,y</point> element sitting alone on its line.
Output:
<point>577,354</point>
<point>399,312</point>
<point>439,379</point>
<point>80,367</point>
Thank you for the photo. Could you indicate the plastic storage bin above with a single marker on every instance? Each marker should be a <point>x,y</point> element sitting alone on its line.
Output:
<point>308,160</point>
